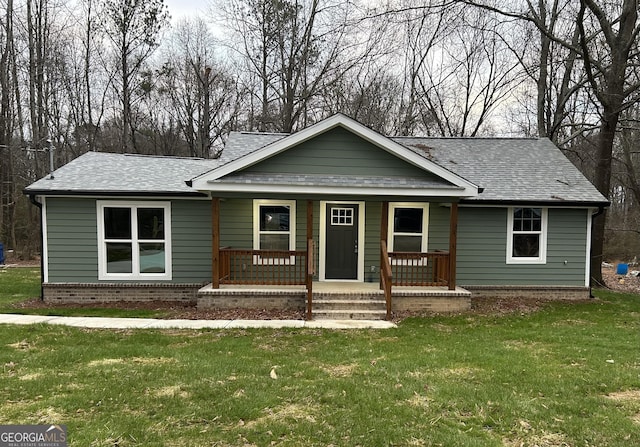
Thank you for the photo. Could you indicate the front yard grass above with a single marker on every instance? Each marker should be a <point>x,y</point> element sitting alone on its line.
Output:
<point>19,284</point>
<point>568,375</point>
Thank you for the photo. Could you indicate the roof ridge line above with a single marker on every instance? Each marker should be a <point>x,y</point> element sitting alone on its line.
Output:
<point>172,157</point>
<point>467,138</point>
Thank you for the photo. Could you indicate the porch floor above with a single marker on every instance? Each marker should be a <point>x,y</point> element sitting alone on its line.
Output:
<point>335,287</point>
<point>336,300</point>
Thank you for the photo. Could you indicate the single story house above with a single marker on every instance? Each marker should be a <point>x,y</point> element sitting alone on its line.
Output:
<point>333,212</point>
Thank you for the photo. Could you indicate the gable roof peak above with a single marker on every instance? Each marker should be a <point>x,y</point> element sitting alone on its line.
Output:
<point>280,145</point>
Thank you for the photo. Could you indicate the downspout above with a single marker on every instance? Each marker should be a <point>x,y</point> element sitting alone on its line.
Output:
<point>593,218</point>
<point>33,200</point>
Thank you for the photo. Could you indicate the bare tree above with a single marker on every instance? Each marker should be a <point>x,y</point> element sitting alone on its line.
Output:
<point>424,31</point>
<point>38,39</point>
<point>607,42</point>
<point>6,117</point>
<point>473,72</point>
<point>370,95</point>
<point>133,28</point>
<point>203,98</point>
<point>292,50</point>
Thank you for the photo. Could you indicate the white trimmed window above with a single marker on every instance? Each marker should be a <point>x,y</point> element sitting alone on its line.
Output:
<point>408,227</point>
<point>274,226</point>
<point>134,240</point>
<point>527,235</point>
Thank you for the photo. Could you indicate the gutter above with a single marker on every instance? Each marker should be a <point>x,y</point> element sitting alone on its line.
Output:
<point>544,203</point>
<point>32,199</point>
<point>70,193</point>
<point>593,218</point>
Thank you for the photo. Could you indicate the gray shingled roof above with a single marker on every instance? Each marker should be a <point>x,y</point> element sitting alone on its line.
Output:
<point>243,143</point>
<point>100,172</point>
<point>512,170</point>
<point>509,169</point>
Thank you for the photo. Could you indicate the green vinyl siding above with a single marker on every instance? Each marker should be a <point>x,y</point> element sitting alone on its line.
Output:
<point>372,240</point>
<point>482,238</point>
<point>191,241</point>
<point>236,223</point>
<point>439,227</point>
<point>72,240</point>
<point>73,246</point>
<point>338,152</point>
<point>482,247</point>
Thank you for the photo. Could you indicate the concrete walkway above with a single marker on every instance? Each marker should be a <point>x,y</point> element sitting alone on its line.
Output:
<point>152,323</point>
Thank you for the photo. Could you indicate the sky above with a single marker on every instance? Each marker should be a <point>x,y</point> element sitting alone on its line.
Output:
<point>185,8</point>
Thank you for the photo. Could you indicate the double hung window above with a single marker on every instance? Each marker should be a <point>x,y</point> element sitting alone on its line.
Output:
<point>274,227</point>
<point>408,224</point>
<point>527,236</point>
<point>134,240</point>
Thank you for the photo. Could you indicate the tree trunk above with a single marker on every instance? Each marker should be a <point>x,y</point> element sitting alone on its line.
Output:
<point>611,95</point>
<point>5,118</point>
<point>126,102</point>
<point>602,182</point>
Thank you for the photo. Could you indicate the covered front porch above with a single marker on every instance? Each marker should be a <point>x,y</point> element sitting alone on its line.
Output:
<point>397,280</point>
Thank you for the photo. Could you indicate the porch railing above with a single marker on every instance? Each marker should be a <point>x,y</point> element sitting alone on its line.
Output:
<point>270,267</point>
<point>386,276</point>
<point>420,269</point>
<point>310,272</point>
<point>411,269</point>
<point>263,267</point>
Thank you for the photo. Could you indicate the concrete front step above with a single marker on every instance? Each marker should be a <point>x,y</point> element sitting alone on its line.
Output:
<point>345,314</point>
<point>364,296</point>
<point>348,304</point>
<point>365,306</point>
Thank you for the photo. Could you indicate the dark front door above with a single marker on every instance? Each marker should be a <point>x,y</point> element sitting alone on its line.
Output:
<point>342,241</point>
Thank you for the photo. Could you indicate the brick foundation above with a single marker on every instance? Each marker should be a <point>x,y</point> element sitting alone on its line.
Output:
<point>277,298</point>
<point>541,292</point>
<point>216,299</point>
<point>435,304</point>
<point>81,293</point>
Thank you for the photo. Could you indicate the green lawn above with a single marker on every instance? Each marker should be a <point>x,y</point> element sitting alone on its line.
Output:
<point>18,284</point>
<point>568,375</point>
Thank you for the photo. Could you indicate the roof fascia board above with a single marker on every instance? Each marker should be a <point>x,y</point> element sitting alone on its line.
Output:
<point>334,121</point>
<point>340,190</point>
<point>127,194</point>
<point>542,203</point>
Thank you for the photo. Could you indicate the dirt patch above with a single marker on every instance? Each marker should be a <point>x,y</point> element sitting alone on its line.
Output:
<point>487,306</point>
<point>136,360</point>
<point>171,391</point>
<point>21,345</point>
<point>419,401</point>
<point>460,372</point>
<point>28,377</point>
<point>284,414</point>
<point>622,283</point>
<point>340,370</point>
<point>172,310</point>
<point>189,311</point>
<point>628,395</point>
<point>104,362</point>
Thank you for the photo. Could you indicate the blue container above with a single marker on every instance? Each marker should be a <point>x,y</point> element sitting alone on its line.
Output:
<point>622,269</point>
<point>1,253</point>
